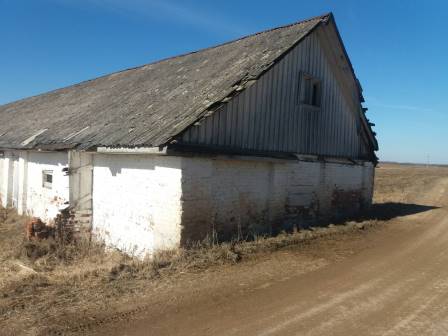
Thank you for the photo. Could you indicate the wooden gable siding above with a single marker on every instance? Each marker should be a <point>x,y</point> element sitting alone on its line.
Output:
<point>267,116</point>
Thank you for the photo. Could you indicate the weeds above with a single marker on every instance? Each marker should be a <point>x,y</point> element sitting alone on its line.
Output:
<point>84,260</point>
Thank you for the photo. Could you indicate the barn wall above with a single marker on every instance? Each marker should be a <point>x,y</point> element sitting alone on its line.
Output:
<point>142,204</point>
<point>136,201</point>
<point>80,194</point>
<point>40,201</point>
<point>145,203</point>
<point>4,172</point>
<point>21,184</point>
<point>268,116</point>
<point>231,197</point>
<point>11,179</point>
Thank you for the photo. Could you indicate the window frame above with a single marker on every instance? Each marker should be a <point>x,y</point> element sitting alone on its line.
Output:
<point>45,183</point>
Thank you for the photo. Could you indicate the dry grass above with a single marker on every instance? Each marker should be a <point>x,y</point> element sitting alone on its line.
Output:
<point>43,283</point>
<point>40,282</point>
<point>400,183</point>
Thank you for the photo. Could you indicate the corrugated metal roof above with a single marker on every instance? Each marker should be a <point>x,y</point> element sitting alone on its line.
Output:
<point>147,105</point>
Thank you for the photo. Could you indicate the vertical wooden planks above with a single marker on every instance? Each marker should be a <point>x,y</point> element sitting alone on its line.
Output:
<point>267,116</point>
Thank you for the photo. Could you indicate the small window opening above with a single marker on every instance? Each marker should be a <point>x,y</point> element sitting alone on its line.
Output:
<point>311,92</point>
<point>47,179</point>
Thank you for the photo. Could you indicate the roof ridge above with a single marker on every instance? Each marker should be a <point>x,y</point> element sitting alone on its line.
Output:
<point>321,17</point>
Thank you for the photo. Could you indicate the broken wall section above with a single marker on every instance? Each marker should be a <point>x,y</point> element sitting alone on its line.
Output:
<point>77,221</point>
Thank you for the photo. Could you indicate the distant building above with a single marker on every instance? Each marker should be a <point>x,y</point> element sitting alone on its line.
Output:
<point>251,136</point>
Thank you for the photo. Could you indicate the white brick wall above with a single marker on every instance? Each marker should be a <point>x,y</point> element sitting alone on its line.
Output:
<point>3,179</point>
<point>220,194</point>
<point>143,203</point>
<point>40,201</point>
<point>21,182</point>
<point>146,203</point>
<point>228,196</point>
<point>136,201</point>
<point>9,180</point>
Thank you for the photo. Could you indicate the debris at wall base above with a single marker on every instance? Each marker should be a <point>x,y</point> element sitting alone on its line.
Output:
<point>38,230</point>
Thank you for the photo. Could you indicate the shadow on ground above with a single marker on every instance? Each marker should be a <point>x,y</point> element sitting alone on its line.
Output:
<point>390,210</point>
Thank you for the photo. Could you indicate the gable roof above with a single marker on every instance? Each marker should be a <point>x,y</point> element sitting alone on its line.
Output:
<point>149,105</point>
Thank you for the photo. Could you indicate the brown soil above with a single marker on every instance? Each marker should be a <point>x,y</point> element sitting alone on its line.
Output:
<point>383,275</point>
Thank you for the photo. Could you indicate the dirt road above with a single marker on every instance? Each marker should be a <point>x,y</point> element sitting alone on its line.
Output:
<point>397,285</point>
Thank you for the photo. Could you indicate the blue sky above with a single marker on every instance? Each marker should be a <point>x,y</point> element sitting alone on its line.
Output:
<point>399,50</point>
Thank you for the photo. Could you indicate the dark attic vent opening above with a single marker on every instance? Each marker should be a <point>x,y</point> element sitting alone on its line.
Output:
<point>310,90</point>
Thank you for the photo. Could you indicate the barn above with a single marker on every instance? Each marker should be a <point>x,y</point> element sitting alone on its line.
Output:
<point>253,136</point>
